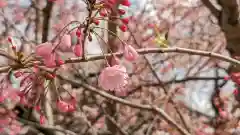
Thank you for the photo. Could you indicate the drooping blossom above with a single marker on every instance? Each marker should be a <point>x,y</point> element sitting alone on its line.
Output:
<point>126,3</point>
<point>130,53</point>
<point>65,43</point>
<point>113,78</point>
<point>42,119</point>
<point>65,106</point>
<point>45,50</point>
<point>125,20</point>
<point>123,28</point>
<point>51,61</point>
<point>78,48</point>
<point>62,106</point>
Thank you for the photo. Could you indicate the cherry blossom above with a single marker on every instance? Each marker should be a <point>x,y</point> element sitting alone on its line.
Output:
<point>113,78</point>
<point>65,43</point>
<point>130,53</point>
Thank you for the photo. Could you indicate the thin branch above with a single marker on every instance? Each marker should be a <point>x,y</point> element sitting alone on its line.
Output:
<point>151,108</point>
<point>48,127</point>
<point>149,129</point>
<point>116,125</point>
<point>160,50</point>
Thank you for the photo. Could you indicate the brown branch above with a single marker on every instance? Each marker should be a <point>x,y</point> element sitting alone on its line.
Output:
<point>114,123</point>
<point>151,108</point>
<point>150,128</point>
<point>47,127</point>
<point>46,20</point>
<point>213,9</point>
<point>160,50</point>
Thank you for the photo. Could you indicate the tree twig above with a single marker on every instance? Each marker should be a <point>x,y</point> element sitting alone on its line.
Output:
<point>160,50</point>
<point>48,127</point>
<point>151,108</point>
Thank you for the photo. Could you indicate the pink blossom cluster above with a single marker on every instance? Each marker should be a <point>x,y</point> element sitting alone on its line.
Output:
<point>8,124</point>
<point>32,82</point>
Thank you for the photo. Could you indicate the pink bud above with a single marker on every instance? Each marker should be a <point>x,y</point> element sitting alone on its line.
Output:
<point>14,47</point>
<point>42,119</point>
<point>50,76</point>
<point>37,108</point>
<point>123,28</point>
<point>60,62</point>
<point>65,43</point>
<point>235,92</point>
<point>130,53</point>
<point>95,21</point>
<point>103,13</point>
<point>226,78</point>
<point>223,114</point>
<point>121,11</point>
<point>78,33</point>
<point>126,3</point>
<point>78,50</point>
<point>10,40</point>
<point>125,20</point>
<point>151,25</point>
<point>62,106</point>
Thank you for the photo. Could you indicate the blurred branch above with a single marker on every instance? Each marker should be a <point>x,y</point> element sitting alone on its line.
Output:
<point>116,125</point>
<point>12,25</point>
<point>151,108</point>
<point>46,20</point>
<point>151,125</point>
<point>47,127</point>
<point>213,9</point>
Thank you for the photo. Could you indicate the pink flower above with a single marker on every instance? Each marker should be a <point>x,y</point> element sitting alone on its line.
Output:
<point>100,123</point>
<point>3,3</point>
<point>113,78</point>
<point>67,106</point>
<point>62,106</point>
<point>130,53</point>
<point>223,114</point>
<point>78,49</point>
<point>65,43</point>
<point>42,119</point>
<point>45,51</point>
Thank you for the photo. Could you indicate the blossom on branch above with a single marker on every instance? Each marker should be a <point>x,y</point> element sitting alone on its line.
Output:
<point>113,78</point>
